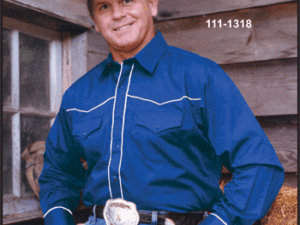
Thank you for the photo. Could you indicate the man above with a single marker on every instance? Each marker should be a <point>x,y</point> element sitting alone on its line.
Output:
<point>155,123</point>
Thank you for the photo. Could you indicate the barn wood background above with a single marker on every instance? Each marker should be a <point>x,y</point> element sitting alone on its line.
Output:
<point>262,60</point>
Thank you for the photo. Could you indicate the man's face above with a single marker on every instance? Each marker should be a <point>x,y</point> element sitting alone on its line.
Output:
<point>127,25</point>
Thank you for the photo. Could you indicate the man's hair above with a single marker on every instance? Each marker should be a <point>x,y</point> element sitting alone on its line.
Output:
<point>90,7</point>
<point>91,10</point>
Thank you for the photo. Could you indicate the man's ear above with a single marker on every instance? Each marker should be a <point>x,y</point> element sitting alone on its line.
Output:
<point>153,7</point>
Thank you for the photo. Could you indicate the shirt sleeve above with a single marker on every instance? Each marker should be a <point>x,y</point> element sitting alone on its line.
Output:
<point>243,147</point>
<point>62,177</point>
<point>58,215</point>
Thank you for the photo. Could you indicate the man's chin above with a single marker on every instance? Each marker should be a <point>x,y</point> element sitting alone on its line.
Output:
<point>125,47</point>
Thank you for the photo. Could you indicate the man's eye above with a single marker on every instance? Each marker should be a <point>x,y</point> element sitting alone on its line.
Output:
<point>103,7</point>
<point>126,2</point>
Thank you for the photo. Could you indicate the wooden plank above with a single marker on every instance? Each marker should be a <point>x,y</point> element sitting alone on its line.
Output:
<point>282,133</point>
<point>273,35</point>
<point>16,140</point>
<point>79,55</point>
<point>172,9</point>
<point>284,140</point>
<point>290,180</point>
<point>15,205</point>
<point>269,87</point>
<point>30,29</point>
<point>21,217</point>
<point>36,113</point>
<point>94,59</point>
<point>97,43</point>
<point>39,18</point>
<point>73,11</point>
<point>55,74</point>
<point>67,60</point>
<point>97,48</point>
<point>9,110</point>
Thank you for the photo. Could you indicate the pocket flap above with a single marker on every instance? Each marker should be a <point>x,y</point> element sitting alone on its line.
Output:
<point>158,122</point>
<point>85,128</point>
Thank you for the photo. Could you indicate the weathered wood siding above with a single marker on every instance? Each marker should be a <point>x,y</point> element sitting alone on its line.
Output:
<point>273,34</point>
<point>282,133</point>
<point>172,9</point>
<point>97,49</point>
<point>73,11</point>
<point>269,87</point>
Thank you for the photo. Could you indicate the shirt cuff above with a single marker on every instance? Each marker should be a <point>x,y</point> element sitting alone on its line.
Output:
<point>58,215</point>
<point>213,219</point>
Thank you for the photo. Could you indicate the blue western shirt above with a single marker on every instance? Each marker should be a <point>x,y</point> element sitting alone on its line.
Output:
<point>156,130</point>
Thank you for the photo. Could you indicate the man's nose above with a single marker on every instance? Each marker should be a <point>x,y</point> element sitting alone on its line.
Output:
<point>118,11</point>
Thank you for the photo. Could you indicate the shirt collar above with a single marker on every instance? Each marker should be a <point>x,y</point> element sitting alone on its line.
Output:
<point>148,57</point>
<point>104,65</point>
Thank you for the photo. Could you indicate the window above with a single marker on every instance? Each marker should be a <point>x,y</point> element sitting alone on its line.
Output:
<point>32,91</point>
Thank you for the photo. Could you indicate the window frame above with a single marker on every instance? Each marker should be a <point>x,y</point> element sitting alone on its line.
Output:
<point>16,202</point>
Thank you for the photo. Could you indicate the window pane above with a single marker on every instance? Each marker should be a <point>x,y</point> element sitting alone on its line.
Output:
<point>6,79</point>
<point>34,73</point>
<point>7,154</point>
<point>32,129</point>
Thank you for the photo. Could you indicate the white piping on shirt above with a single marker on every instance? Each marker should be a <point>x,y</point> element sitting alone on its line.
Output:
<point>218,218</point>
<point>87,111</point>
<point>123,125</point>
<point>123,122</point>
<point>163,103</point>
<point>112,131</point>
<point>58,207</point>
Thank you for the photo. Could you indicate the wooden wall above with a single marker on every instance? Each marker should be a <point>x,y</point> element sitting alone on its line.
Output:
<point>58,15</point>
<point>261,60</point>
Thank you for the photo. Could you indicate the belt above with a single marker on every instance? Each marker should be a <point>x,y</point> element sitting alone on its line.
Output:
<point>146,216</point>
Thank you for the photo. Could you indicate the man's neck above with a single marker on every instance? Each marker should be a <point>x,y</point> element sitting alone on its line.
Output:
<point>119,55</point>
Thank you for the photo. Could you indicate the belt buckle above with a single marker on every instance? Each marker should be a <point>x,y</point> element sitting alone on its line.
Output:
<point>169,221</point>
<point>120,212</point>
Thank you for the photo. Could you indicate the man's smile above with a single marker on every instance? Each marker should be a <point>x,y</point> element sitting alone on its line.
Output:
<point>122,27</point>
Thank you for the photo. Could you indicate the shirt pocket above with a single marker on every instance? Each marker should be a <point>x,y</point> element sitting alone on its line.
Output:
<point>158,122</point>
<point>86,128</point>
